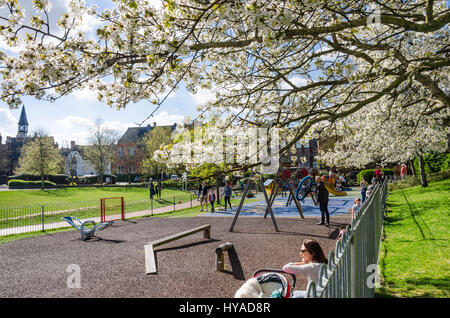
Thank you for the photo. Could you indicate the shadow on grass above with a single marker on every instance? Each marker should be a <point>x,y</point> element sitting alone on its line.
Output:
<point>439,287</point>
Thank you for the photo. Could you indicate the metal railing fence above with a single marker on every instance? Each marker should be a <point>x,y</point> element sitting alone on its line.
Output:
<point>41,217</point>
<point>352,269</point>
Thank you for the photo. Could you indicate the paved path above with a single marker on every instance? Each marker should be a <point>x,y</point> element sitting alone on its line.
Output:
<point>62,224</point>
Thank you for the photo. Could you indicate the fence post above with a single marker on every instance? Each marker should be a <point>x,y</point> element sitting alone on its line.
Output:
<point>43,219</point>
<point>174,203</point>
<point>151,203</point>
<point>190,194</point>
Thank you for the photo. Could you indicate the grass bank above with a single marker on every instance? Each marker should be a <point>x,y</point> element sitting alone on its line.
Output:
<point>415,254</point>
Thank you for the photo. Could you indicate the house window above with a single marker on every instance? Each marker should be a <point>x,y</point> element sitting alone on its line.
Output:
<point>120,152</point>
<point>131,151</point>
<point>131,169</point>
<point>120,169</point>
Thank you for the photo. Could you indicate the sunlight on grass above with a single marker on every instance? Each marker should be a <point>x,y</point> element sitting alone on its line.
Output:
<point>415,255</point>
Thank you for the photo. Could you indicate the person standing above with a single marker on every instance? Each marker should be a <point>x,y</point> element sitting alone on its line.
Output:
<point>151,188</point>
<point>364,186</point>
<point>204,196</point>
<point>322,198</point>
<point>378,174</point>
<point>227,195</point>
<point>159,188</point>
<point>356,206</point>
<point>211,199</point>
<point>403,172</point>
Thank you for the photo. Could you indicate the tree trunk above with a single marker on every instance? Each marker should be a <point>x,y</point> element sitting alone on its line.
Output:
<point>217,189</point>
<point>413,170</point>
<point>423,176</point>
<point>42,182</point>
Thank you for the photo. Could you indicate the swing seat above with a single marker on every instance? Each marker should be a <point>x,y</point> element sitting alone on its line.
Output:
<point>86,233</point>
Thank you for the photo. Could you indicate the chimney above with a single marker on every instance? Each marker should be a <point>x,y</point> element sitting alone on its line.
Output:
<point>154,124</point>
<point>72,144</point>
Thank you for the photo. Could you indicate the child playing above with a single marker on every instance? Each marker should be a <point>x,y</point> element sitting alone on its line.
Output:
<point>211,199</point>
<point>356,205</point>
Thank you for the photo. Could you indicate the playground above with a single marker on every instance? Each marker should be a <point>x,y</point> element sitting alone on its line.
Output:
<point>113,262</point>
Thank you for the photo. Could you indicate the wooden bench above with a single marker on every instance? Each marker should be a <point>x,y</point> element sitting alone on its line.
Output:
<point>150,258</point>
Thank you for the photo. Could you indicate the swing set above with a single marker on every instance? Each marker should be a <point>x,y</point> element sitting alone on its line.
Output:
<point>304,188</point>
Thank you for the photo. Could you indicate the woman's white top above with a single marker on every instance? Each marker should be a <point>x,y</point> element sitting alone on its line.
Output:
<point>310,270</point>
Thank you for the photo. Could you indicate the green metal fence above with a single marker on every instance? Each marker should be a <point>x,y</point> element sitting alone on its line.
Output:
<point>352,269</point>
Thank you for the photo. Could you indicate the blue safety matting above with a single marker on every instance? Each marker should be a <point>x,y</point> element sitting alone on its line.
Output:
<point>336,206</point>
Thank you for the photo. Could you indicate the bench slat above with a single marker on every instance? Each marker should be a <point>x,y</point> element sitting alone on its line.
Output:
<point>177,236</point>
<point>150,258</point>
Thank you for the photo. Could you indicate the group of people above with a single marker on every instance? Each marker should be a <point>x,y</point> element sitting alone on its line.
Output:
<point>207,195</point>
<point>154,189</point>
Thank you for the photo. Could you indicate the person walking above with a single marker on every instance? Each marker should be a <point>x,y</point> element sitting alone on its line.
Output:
<point>322,198</point>
<point>204,196</point>
<point>227,195</point>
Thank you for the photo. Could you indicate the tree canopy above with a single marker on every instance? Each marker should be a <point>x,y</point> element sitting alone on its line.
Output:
<point>313,66</point>
<point>40,157</point>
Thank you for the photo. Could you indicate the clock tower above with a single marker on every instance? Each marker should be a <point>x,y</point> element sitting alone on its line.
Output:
<point>23,124</point>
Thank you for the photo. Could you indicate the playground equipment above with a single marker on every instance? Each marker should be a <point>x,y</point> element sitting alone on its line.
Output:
<point>272,284</point>
<point>220,262</point>
<point>305,187</point>
<point>112,209</point>
<point>269,200</point>
<point>150,257</point>
<point>330,185</point>
<point>86,232</point>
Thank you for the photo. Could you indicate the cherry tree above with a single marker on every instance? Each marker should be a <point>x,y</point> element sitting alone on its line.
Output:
<point>305,65</point>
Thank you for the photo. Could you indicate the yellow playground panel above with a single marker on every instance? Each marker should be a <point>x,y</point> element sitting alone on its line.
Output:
<point>330,186</point>
<point>269,186</point>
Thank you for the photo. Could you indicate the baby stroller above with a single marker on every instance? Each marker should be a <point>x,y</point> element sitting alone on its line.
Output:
<point>271,284</point>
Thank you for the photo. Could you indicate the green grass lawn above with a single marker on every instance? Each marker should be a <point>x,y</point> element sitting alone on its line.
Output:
<point>29,197</point>
<point>415,254</point>
<point>24,207</point>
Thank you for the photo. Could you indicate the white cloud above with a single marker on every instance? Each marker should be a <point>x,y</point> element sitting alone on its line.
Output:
<point>164,118</point>
<point>203,96</point>
<point>8,124</point>
<point>85,93</point>
<point>296,80</point>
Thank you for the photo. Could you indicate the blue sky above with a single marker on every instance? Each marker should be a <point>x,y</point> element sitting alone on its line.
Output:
<point>72,117</point>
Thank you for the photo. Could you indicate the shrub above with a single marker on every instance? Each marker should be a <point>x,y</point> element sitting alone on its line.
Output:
<point>22,184</point>
<point>369,173</point>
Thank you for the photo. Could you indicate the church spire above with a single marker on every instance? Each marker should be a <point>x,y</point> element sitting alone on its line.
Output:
<point>23,124</point>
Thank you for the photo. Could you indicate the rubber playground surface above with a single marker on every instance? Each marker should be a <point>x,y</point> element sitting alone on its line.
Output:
<point>112,264</point>
<point>336,206</point>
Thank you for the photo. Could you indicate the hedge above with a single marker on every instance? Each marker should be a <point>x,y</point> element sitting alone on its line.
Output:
<point>22,184</point>
<point>368,174</point>
<point>58,178</point>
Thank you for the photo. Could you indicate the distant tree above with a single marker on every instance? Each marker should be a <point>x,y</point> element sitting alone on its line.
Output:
<point>71,165</point>
<point>4,160</point>
<point>40,156</point>
<point>102,148</point>
<point>151,142</point>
